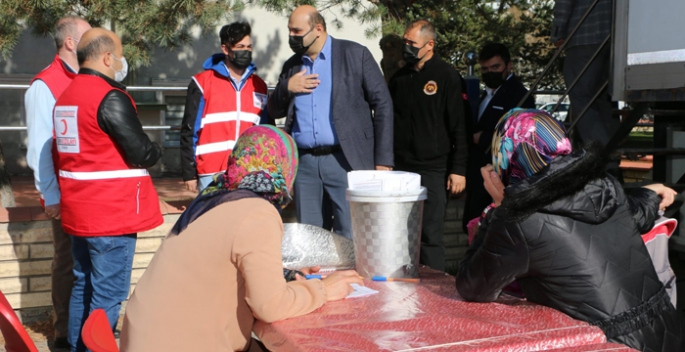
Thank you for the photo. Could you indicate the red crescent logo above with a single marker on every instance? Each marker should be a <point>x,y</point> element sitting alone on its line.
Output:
<point>64,123</point>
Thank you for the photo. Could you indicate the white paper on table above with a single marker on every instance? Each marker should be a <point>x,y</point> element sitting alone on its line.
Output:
<point>361,291</point>
<point>386,181</point>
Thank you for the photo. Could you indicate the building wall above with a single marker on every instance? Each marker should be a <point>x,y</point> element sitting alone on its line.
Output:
<point>270,39</point>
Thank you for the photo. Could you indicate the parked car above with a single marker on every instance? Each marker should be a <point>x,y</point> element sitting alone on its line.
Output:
<point>561,112</point>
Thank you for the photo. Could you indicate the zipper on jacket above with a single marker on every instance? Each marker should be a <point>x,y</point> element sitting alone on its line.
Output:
<point>138,199</point>
<point>237,123</point>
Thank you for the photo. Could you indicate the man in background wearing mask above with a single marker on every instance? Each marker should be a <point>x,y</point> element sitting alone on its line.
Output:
<point>107,194</point>
<point>430,133</point>
<point>39,101</point>
<point>502,92</point>
<point>222,102</point>
<point>339,112</point>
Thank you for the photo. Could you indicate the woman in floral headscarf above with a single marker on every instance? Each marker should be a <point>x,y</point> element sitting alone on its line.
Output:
<point>220,267</point>
<point>567,233</point>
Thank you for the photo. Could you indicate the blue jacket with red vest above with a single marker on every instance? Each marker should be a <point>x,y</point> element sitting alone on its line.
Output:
<point>218,109</point>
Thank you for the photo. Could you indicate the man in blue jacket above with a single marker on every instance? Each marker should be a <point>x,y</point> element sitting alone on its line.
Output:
<point>339,112</point>
<point>222,102</point>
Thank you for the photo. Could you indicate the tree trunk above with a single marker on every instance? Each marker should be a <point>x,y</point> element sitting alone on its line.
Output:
<point>6,194</point>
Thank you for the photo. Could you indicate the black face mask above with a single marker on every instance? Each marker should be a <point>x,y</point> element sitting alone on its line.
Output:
<point>296,43</point>
<point>242,58</point>
<point>493,80</point>
<point>410,54</point>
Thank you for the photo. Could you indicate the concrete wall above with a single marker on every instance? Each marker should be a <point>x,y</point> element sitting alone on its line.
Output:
<point>270,38</point>
<point>26,252</point>
<point>270,41</point>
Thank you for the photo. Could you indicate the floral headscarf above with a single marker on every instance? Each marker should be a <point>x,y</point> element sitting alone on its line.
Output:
<point>263,164</point>
<point>264,161</point>
<point>524,142</point>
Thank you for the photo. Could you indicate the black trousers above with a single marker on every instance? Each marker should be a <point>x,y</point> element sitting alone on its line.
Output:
<point>598,123</point>
<point>433,227</point>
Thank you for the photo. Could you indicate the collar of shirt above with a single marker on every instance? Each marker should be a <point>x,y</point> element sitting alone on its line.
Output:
<point>69,67</point>
<point>491,92</point>
<point>238,85</point>
<point>111,82</point>
<point>324,54</point>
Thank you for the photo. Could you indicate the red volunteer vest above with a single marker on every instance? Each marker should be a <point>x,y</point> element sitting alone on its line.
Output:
<point>56,76</point>
<point>226,114</point>
<point>101,194</point>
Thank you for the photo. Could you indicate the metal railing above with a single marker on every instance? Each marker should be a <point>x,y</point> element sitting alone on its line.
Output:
<point>560,49</point>
<point>129,88</point>
<point>145,128</point>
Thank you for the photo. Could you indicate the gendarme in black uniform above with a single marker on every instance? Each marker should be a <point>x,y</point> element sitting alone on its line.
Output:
<point>430,139</point>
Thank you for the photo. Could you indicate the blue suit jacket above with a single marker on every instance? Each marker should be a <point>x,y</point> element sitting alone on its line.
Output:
<point>361,104</point>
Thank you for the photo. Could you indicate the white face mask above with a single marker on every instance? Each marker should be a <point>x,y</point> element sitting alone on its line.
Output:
<point>121,74</point>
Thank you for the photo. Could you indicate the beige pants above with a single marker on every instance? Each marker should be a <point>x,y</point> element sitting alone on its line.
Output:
<point>62,278</point>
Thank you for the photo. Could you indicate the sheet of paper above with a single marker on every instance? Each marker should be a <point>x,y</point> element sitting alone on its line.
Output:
<point>360,291</point>
<point>386,181</point>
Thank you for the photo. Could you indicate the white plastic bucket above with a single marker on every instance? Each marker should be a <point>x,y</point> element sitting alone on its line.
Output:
<point>386,229</point>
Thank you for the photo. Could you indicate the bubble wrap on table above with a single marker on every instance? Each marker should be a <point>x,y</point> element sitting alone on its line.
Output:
<point>307,245</point>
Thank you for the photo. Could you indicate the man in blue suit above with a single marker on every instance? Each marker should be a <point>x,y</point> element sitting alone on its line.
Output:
<point>339,112</point>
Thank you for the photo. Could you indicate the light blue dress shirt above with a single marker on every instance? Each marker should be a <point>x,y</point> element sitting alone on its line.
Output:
<point>39,103</point>
<point>313,126</point>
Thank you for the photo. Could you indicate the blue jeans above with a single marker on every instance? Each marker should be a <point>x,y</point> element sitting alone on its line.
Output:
<point>320,192</point>
<point>102,266</point>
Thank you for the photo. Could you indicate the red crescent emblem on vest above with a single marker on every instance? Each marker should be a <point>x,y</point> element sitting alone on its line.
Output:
<point>64,123</point>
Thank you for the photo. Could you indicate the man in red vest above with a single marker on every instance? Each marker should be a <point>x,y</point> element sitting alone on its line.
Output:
<point>39,101</point>
<point>107,193</point>
<point>222,102</point>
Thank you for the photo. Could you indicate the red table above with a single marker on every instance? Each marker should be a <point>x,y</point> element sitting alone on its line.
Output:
<point>431,316</point>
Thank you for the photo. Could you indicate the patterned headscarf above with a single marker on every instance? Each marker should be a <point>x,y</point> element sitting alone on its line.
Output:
<point>264,161</point>
<point>263,164</point>
<point>524,142</point>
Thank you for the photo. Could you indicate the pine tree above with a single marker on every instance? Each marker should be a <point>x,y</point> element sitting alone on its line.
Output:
<point>141,24</point>
<point>461,25</point>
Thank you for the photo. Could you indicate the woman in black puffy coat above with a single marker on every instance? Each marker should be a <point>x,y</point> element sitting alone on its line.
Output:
<point>570,236</point>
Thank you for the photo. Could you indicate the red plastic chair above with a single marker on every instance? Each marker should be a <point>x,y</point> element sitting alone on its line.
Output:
<point>16,337</point>
<point>97,333</point>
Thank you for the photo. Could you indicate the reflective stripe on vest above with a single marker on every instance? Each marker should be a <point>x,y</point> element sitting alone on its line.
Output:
<point>214,147</point>
<point>230,116</point>
<point>103,175</point>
